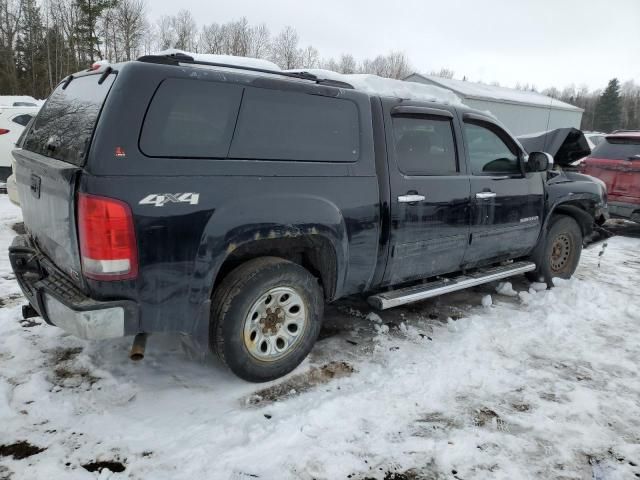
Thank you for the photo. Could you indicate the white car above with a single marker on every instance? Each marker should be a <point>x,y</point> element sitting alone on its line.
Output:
<point>594,138</point>
<point>12,123</point>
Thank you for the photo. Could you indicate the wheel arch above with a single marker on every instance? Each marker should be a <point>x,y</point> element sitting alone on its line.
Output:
<point>581,207</point>
<point>314,252</point>
<point>576,210</point>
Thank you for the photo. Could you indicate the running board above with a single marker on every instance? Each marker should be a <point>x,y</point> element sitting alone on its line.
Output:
<point>385,300</point>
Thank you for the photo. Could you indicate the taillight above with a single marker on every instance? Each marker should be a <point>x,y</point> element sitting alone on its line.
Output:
<point>107,238</point>
<point>3,131</point>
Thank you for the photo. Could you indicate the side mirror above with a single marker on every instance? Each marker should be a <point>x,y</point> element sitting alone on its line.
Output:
<point>539,162</point>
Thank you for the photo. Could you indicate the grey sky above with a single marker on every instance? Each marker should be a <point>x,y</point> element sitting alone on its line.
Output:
<point>544,42</point>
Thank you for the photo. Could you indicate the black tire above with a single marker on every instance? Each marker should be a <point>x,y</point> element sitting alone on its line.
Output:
<point>559,254</point>
<point>231,306</point>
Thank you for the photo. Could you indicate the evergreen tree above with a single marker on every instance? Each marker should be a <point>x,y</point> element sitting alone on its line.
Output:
<point>30,51</point>
<point>90,13</point>
<point>608,108</point>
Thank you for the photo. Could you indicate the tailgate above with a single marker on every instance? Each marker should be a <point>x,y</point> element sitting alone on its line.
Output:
<point>47,195</point>
<point>48,166</point>
<point>621,176</point>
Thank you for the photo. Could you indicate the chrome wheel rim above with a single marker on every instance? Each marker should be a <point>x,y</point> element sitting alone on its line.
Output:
<point>560,252</point>
<point>275,324</point>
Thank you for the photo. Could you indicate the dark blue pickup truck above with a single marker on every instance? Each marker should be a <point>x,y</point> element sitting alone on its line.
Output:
<point>231,203</point>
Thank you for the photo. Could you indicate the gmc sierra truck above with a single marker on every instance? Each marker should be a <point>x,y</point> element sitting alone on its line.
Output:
<point>230,203</point>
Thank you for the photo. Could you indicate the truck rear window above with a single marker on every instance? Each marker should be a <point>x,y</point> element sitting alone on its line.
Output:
<point>618,149</point>
<point>64,126</point>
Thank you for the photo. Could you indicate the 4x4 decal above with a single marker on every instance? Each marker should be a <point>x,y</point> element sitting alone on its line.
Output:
<point>161,199</point>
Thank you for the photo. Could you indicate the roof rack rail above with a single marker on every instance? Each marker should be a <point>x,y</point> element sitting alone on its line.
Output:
<point>178,58</point>
<point>620,130</point>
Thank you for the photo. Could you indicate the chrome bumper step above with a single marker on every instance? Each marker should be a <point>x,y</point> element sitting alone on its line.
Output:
<point>415,293</point>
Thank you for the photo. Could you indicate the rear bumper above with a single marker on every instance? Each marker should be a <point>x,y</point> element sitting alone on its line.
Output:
<point>623,209</point>
<point>61,303</point>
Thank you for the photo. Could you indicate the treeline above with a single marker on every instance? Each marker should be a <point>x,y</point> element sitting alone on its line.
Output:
<point>42,41</point>
<point>616,107</point>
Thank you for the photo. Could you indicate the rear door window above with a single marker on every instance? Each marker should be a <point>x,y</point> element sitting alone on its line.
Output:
<point>64,126</point>
<point>190,119</point>
<point>621,148</point>
<point>280,125</point>
<point>425,146</point>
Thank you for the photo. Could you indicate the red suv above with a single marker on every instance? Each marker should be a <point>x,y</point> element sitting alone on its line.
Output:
<point>616,161</point>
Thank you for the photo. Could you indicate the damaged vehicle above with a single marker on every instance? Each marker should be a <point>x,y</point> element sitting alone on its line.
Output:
<point>230,203</point>
<point>616,161</point>
<point>568,146</point>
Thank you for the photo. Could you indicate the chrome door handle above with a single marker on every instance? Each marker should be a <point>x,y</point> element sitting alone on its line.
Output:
<point>485,195</point>
<point>410,198</point>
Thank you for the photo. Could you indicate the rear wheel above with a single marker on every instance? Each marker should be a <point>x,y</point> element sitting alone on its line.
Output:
<point>266,316</point>
<point>559,255</point>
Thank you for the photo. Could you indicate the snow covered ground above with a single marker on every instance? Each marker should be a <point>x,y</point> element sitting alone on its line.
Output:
<point>538,384</point>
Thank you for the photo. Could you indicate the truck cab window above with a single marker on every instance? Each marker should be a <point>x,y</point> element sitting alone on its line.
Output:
<point>488,153</point>
<point>425,146</point>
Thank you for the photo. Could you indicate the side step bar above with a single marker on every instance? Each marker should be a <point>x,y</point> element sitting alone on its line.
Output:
<point>415,293</point>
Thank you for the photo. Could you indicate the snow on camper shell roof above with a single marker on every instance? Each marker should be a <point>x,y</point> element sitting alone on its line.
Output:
<point>389,87</point>
<point>481,91</point>
<point>371,84</point>
<point>228,59</point>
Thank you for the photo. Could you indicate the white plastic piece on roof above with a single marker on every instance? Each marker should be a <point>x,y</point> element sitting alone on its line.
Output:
<point>228,59</point>
<point>388,87</point>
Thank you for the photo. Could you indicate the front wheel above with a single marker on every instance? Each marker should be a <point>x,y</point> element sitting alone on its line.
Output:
<point>559,255</point>
<point>266,316</point>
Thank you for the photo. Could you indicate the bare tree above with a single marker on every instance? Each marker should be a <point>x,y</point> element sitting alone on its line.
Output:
<point>329,64</point>
<point>166,34</point>
<point>185,28</point>
<point>630,99</point>
<point>10,11</point>
<point>347,64</point>
<point>284,51</point>
<point>443,73</point>
<point>238,36</point>
<point>399,66</point>
<point>130,22</point>
<point>309,58</point>
<point>147,40</point>
<point>376,66</point>
<point>212,39</point>
<point>259,41</point>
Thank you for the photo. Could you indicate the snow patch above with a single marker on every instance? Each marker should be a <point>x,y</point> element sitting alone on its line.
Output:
<point>487,301</point>
<point>505,288</point>
<point>373,317</point>
<point>228,59</point>
<point>538,286</point>
<point>382,329</point>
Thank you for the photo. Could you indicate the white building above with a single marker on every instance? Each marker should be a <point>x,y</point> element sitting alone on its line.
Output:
<point>522,112</point>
